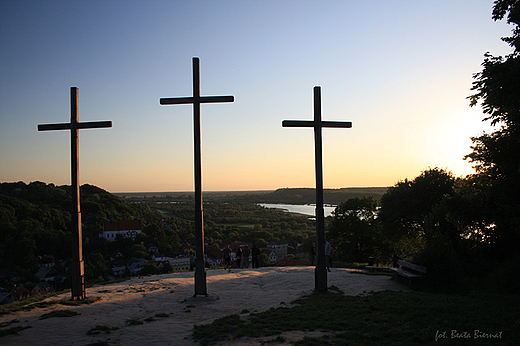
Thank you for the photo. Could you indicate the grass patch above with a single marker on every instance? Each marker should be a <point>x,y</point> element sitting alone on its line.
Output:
<point>12,331</point>
<point>98,343</point>
<point>36,302</point>
<point>278,339</point>
<point>8,323</point>
<point>162,314</point>
<point>219,330</point>
<point>390,318</point>
<point>59,313</point>
<point>20,305</point>
<point>133,322</point>
<point>100,329</point>
<point>308,341</point>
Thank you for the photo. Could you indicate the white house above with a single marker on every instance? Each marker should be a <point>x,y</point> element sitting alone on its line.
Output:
<point>273,258</point>
<point>127,228</point>
<point>279,247</point>
<point>119,270</point>
<point>178,263</point>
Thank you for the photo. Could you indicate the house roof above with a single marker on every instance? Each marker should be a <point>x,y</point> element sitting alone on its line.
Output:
<point>44,272</point>
<point>45,259</point>
<point>117,254</point>
<point>278,242</point>
<point>6,298</point>
<point>123,225</point>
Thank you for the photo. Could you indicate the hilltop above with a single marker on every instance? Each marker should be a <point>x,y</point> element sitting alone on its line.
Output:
<point>330,196</point>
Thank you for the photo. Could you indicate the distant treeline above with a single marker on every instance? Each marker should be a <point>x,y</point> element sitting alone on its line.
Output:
<point>283,195</point>
<point>330,196</point>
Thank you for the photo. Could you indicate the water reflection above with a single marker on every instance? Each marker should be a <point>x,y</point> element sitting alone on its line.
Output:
<point>306,209</point>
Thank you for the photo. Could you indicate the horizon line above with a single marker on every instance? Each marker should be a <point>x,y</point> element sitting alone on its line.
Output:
<point>255,190</point>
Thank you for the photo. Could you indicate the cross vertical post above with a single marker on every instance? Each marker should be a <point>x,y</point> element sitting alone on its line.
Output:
<point>200,268</point>
<point>321,265</point>
<point>78,268</point>
<point>196,100</point>
<point>321,272</point>
<point>78,290</point>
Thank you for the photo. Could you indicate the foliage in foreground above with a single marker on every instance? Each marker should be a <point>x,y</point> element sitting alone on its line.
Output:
<point>59,313</point>
<point>390,318</point>
<point>38,302</point>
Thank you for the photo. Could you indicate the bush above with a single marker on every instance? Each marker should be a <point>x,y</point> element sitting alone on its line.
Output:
<point>263,260</point>
<point>443,268</point>
<point>167,268</point>
<point>149,269</point>
<point>503,279</point>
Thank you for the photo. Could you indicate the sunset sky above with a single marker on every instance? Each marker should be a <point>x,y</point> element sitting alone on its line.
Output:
<point>401,71</point>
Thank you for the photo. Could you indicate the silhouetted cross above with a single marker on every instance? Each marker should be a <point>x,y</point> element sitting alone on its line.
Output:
<point>196,100</point>
<point>321,271</point>
<point>78,272</point>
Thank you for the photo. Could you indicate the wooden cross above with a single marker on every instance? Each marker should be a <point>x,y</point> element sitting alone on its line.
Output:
<point>78,272</point>
<point>196,100</point>
<point>321,271</point>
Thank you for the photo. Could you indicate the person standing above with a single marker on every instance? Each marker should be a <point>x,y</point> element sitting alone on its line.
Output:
<point>227,257</point>
<point>313,253</point>
<point>328,249</point>
<point>245,257</point>
<point>331,255</point>
<point>255,252</point>
<point>239,257</point>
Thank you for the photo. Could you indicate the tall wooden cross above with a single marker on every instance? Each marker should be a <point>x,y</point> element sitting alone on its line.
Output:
<point>78,272</point>
<point>320,281</point>
<point>196,100</point>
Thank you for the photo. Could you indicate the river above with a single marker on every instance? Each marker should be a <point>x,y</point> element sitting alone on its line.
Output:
<point>306,209</point>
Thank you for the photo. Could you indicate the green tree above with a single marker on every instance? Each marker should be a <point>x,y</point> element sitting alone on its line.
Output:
<point>355,230</point>
<point>139,251</point>
<point>261,243</point>
<point>167,268</point>
<point>149,269</point>
<point>263,260</point>
<point>95,268</point>
<point>496,155</point>
<point>405,206</point>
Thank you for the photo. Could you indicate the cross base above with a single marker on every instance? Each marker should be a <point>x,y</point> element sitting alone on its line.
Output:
<point>200,279</point>
<point>78,281</point>
<point>320,275</point>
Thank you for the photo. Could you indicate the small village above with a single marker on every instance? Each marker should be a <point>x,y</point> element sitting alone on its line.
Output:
<point>52,272</point>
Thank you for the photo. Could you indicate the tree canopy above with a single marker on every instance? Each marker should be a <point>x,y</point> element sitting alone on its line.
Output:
<point>355,230</point>
<point>496,155</point>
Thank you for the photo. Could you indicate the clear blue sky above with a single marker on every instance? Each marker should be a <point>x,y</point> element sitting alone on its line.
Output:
<point>399,70</point>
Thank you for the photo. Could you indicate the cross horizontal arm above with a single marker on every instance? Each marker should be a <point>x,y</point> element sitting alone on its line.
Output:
<point>175,100</point>
<point>342,124</point>
<point>202,99</point>
<point>54,127</point>
<point>94,124</point>
<point>213,99</point>
<point>312,123</point>
<point>67,126</point>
